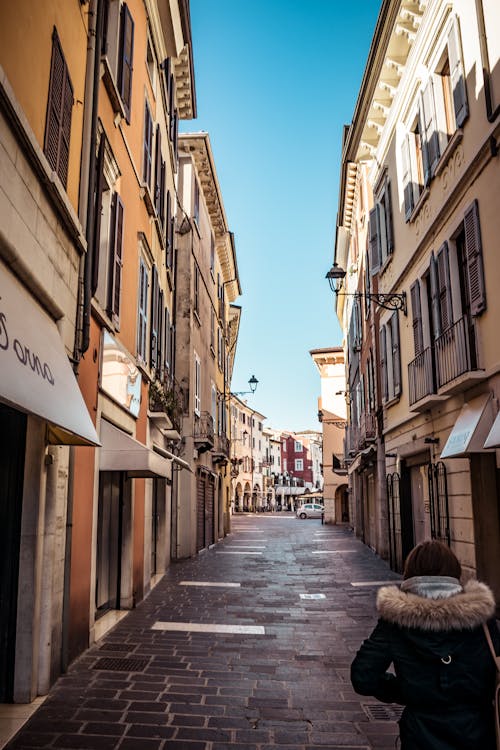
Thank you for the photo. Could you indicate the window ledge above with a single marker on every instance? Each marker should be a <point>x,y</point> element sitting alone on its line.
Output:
<point>418,206</point>
<point>454,141</point>
<point>391,401</point>
<point>112,89</point>
<point>145,193</point>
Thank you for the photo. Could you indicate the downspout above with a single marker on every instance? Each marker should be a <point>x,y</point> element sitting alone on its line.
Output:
<point>490,113</point>
<point>86,214</point>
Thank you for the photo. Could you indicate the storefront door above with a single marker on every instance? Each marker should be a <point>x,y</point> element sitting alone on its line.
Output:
<point>109,540</point>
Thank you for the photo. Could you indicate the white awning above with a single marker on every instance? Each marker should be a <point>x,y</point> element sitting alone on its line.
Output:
<point>120,452</point>
<point>493,439</point>
<point>471,428</point>
<point>35,373</point>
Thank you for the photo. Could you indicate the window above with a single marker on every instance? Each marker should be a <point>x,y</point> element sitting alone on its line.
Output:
<point>147,153</point>
<point>390,359</point>
<point>197,385</point>
<point>156,320</point>
<point>196,297</point>
<point>380,231</point>
<point>441,304</point>
<point>212,254</point>
<point>284,445</point>
<point>125,59</point>
<point>284,464</point>
<point>142,314</point>
<point>213,392</point>
<point>299,464</point>
<point>212,331</point>
<point>416,308</point>
<point>159,185</point>
<point>196,202</point>
<point>169,232</point>
<point>220,348</point>
<point>442,109</point>
<point>168,342</point>
<point>150,61</point>
<point>298,446</point>
<point>59,112</point>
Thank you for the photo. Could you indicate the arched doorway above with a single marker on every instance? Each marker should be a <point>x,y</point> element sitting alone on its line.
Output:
<point>238,498</point>
<point>342,512</point>
<point>247,496</point>
<point>256,498</point>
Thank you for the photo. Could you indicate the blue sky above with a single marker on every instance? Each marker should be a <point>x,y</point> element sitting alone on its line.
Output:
<point>276,80</point>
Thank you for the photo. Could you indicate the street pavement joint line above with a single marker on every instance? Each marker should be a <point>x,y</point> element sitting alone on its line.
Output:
<point>395,582</point>
<point>245,546</point>
<point>210,583</point>
<point>209,627</point>
<point>331,551</point>
<point>312,596</point>
<point>244,552</point>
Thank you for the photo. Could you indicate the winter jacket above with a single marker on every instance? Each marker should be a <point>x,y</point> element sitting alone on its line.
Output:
<point>444,674</point>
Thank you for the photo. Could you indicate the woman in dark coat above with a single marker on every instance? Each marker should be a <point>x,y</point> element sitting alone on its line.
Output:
<point>431,631</point>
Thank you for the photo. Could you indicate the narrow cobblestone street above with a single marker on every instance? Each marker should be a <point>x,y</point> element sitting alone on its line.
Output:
<point>248,645</point>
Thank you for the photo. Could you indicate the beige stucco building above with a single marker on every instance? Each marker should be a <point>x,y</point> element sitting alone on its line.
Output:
<point>420,172</point>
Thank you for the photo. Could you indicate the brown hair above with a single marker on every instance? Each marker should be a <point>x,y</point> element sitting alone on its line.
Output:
<point>432,558</point>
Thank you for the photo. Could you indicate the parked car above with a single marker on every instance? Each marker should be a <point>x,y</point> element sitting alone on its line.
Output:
<point>310,510</point>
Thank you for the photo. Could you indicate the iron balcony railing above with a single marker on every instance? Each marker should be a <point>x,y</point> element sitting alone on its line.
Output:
<point>421,379</point>
<point>221,445</point>
<point>367,428</point>
<point>203,432</point>
<point>455,352</point>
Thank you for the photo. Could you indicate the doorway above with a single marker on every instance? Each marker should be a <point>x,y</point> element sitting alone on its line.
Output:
<point>12,452</point>
<point>113,489</point>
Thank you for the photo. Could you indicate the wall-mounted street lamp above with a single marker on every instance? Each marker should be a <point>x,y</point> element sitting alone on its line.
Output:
<point>390,301</point>
<point>253,383</point>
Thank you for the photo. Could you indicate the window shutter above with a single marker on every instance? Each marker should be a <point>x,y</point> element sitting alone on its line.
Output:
<point>430,136</point>
<point>474,256</point>
<point>142,311</point>
<point>59,112</point>
<point>374,238</point>
<point>97,215</point>
<point>161,338</point>
<point>389,230</point>
<point>163,177</point>
<point>457,75</point>
<point>444,295</point>
<point>436,317</point>
<point>158,174</point>
<point>171,102</point>
<point>368,284</point>
<point>418,336</point>
<point>396,354</point>
<point>167,73</point>
<point>154,319</point>
<point>125,58</point>
<point>407,178</point>
<point>383,363</point>
<point>169,233</point>
<point>116,260</point>
<point>148,146</point>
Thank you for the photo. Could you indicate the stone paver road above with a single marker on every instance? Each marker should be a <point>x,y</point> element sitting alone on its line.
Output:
<point>262,663</point>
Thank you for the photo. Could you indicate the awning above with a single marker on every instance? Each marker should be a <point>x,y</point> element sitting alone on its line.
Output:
<point>35,373</point>
<point>471,428</point>
<point>120,452</point>
<point>493,439</point>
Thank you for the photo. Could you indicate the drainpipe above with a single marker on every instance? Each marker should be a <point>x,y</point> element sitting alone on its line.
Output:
<point>490,113</point>
<point>86,213</point>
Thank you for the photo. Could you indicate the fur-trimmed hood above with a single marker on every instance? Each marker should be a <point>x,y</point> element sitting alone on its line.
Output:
<point>465,610</point>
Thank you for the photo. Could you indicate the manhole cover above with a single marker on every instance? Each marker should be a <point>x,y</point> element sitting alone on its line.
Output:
<point>121,665</point>
<point>119,647</point>
<point>381,712</point>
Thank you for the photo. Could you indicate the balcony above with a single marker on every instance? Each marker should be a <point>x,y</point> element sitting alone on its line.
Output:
<point>203,432</point>
<point>449,366</point>
<point>166,404</point>
<point>351,441</point>
<point>367,429</point>
<point>220,451</point>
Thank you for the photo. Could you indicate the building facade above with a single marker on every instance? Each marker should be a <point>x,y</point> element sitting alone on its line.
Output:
<point>248,456</point>
<point>420,171</point>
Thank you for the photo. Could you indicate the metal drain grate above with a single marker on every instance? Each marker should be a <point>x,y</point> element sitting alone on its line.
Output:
<point>381,712</point>
<point>121,665</point>
<point>118,647</point>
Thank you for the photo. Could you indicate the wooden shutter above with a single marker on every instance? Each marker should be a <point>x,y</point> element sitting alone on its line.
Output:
<point>436,316</point>
<point>171,102</point>
<point>374,238</point>
<point>116,262</point>
<point>396,354</point>
<point>383,363</point>
<point>416,308</point>
<point>389,229</point>
<point>147,146</point>
<point>169,238</point>
<point>474,259</point>
<point>163,178</point>
<point>430,135</point>
<point>142,311</point>
<point>155,293</point>
<point>168,342</point>
<point>368,284</point>
<point>59,112</point>
<point>407,177</point>
<point>96,240</point>
<point>158,174</point>
<point>126,53</point>
<point>457,74</point>
<point>444,291</point>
